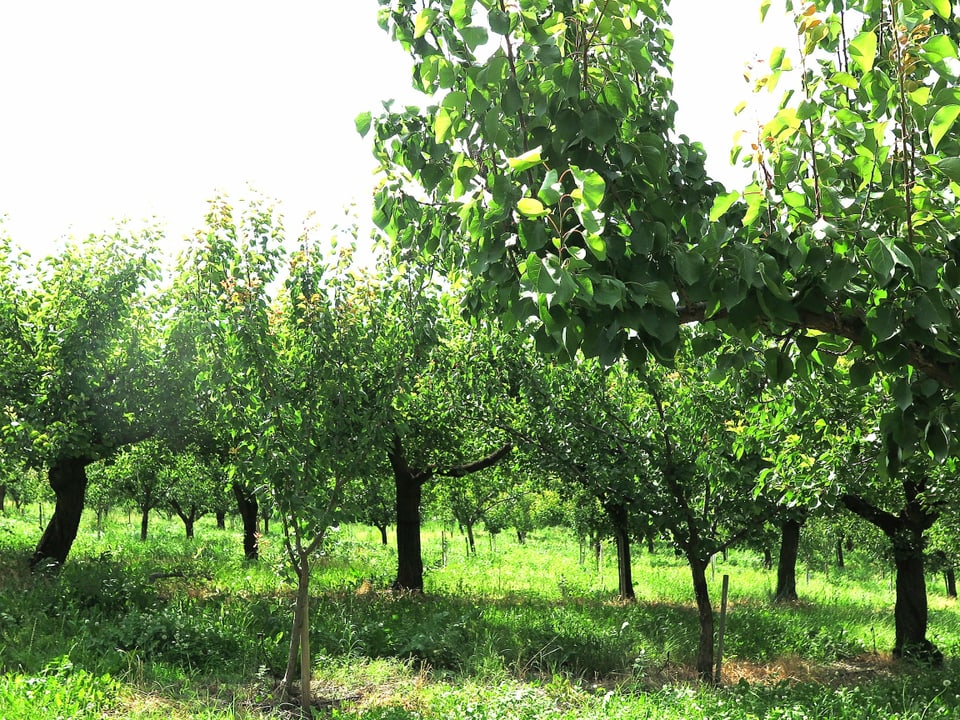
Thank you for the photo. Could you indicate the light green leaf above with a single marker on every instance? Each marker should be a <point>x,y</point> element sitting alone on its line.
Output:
<point>531,207</point>
<point>722,203</point>
<point>424,21</point>
<point>597,245</point>
<point>845,79</point>
<point>590,185</point>
<point>442,125</point>
<point>940,7</point>
<point>941,123</point>
<point>639,54</point>
<point>461,12</point>
<point>527,160</point>
<point>863,50</point>
<point>362,122</point>
<point>776,58</point>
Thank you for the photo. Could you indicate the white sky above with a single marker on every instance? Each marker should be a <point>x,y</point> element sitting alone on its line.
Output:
<point>114,109</point>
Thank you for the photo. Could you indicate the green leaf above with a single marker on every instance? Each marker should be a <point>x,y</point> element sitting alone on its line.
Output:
<point>940,7</point>
<point>639,54</point>
<point>442,125</point>
<point>845,79</point>
<point>937,441</point>
<point>531,207</point>
<point>778,365</point>
<point>597,245</point>
<point>499,21</point>
<point>362,122</point>
<point>863,50</point>
<point>598,126</point>
<point>550,190</point>
<point>590,187</point>
<point>776,58</point>
<point>881,259</point>
<point>527,160</point>
<point>883,322</point>
<point>941,123</point>
<point>902,394</point>
<point>461,12</point>
<point>424,21</point>
<point>950,167</point>
<point>659,323</point>
<point>722,203</point>
<point>608,291</point>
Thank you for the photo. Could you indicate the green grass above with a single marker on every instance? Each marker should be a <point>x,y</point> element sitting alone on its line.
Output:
<point>514,632</point>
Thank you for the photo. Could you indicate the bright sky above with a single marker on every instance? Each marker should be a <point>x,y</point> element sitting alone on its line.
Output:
<point>116,109</point>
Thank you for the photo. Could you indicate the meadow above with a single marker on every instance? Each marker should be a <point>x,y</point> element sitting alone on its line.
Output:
<point>171,628</point>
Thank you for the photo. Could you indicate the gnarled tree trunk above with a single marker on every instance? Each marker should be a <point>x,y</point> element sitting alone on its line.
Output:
<point>68,478</point>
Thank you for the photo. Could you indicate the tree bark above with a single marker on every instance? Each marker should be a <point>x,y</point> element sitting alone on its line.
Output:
<point>68,479</point>
<point>144,522</point>
<point>905,532</point>
<point>767,559</point>
<point>950,579</point>
<point>409,492</point>
<point>910,611</point>
<point>408,484</point>
<point>787,563</point>
<point>3,498</point>
<point>383,534</point>
<point>471,542</point>
<point>247,505</point>
<point>705,660</point>
<point>221,519</point>
<point>619,519</point>
<point>840,563</point>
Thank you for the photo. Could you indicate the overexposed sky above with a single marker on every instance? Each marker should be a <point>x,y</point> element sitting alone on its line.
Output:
<point>114,109</point>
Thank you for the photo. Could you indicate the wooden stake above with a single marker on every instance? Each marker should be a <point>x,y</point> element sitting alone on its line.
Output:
<point>723,627</point>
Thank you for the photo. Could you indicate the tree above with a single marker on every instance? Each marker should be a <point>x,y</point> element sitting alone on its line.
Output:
<point>82,332</point>
<point>291,384</point>
<point>135,474</point>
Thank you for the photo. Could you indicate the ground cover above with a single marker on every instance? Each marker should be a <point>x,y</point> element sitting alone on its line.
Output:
<point>175,629</point>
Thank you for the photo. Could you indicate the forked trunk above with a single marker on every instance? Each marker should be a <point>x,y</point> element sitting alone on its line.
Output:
<point>383,534</point>
<point>298,653</point>
<point>68,479</point>
<point>787,564</point>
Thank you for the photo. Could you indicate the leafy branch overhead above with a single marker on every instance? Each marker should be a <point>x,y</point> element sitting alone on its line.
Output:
<point>547,168</point>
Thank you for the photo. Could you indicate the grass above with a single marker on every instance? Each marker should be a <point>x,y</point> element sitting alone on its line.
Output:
<point>514,632</point>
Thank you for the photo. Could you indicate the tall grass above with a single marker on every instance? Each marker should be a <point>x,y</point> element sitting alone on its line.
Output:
<point>178,628</point>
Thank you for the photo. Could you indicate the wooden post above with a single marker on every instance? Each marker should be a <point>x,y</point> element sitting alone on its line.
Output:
<point>723,627</point>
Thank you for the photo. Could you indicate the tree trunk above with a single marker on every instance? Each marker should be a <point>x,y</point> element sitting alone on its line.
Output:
<point>617,512</point>
<point>144,522</point>
<point>188,526</point>
<point>3,498</point>
<point>471,543</point>
<point>521,538</point>
<point>383,534</point>
<point>767,559</point>
<point>299,648</point>
<point>910,611</point>
<point>247,505</point>
<point>905,532</point>
<point>787,563</point>
<point>705,660</point>
<point>221,519</point>
<point>409,492</point>
<point>950,578</point>
<point>68,479</point>
<point>840,552</point>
